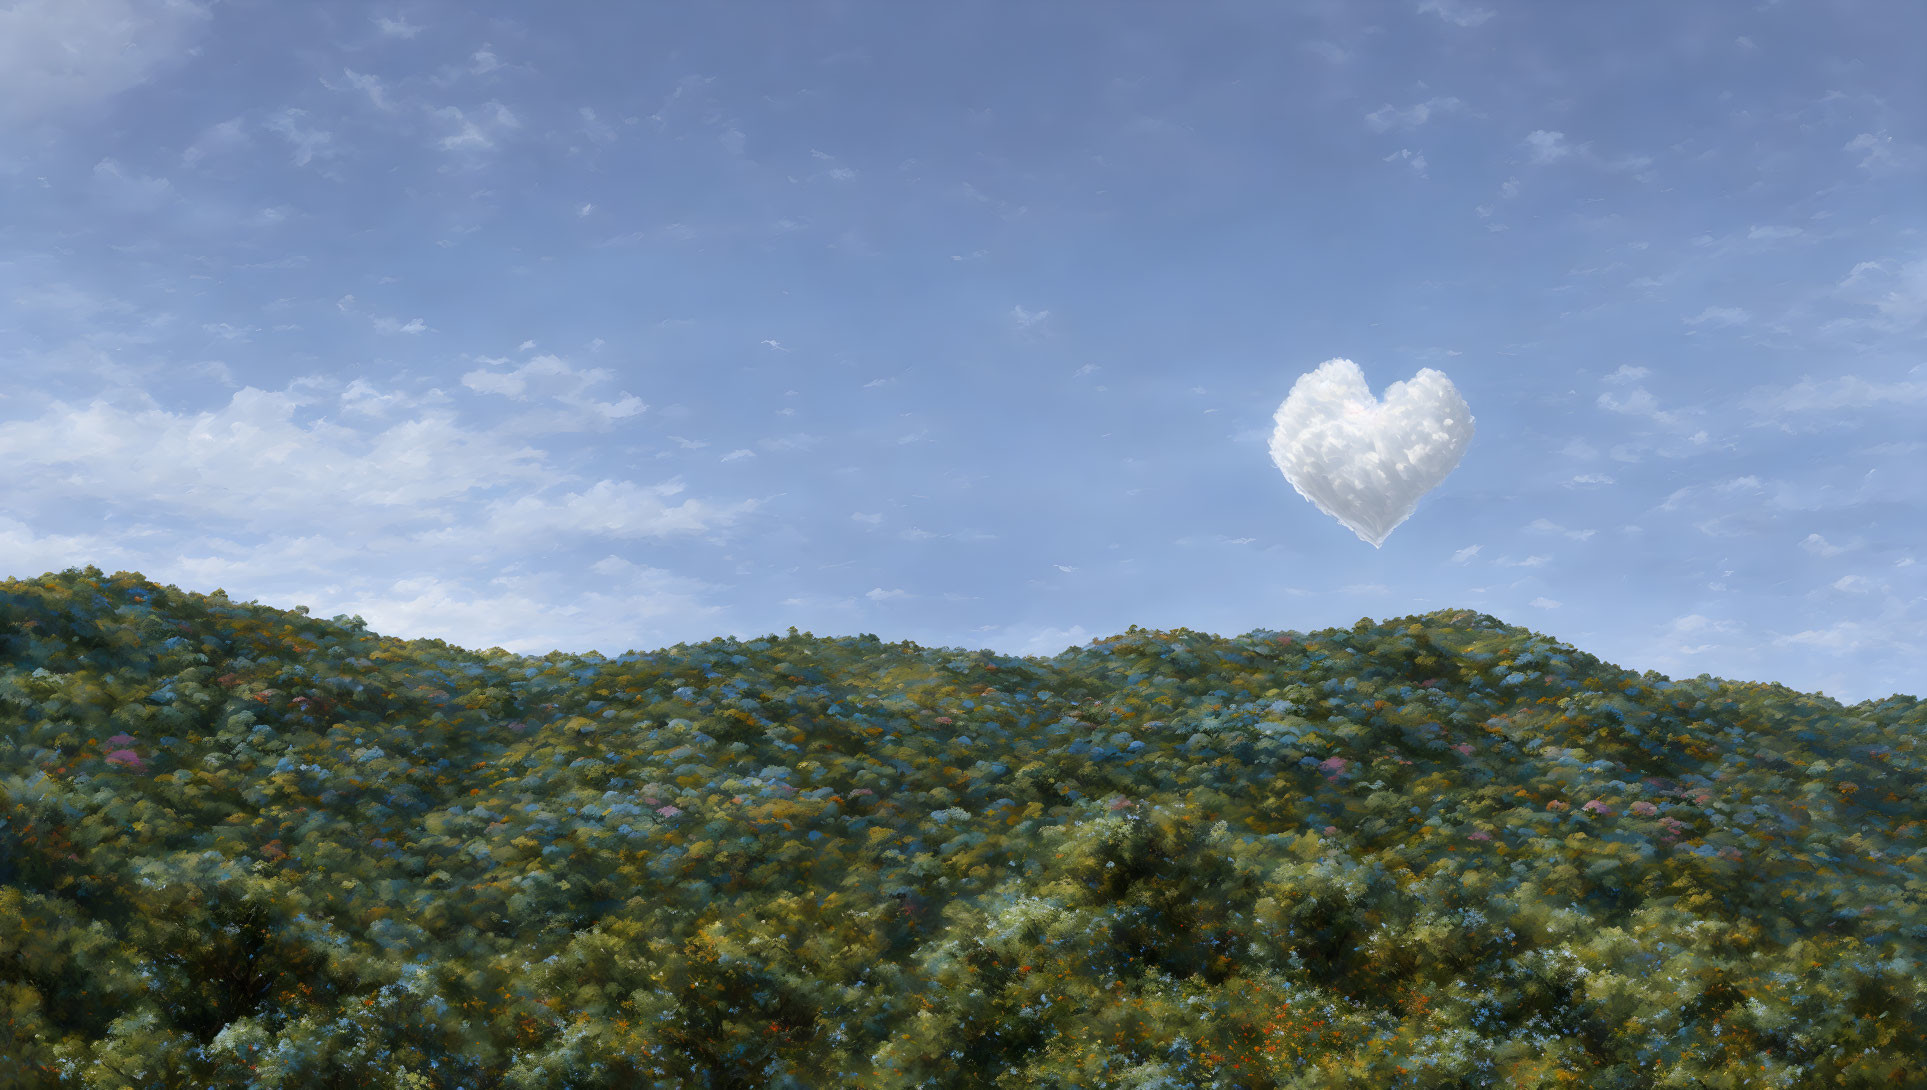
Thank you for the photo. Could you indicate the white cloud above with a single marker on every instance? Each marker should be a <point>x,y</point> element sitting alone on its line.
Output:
<point>370,86</point>
<point>1842,637</point>
<point>1638,402</point>
<point>25,553</point>
<point>1456,12</point>
<point>737,455</point>
<point>127,192</point>
<point>1844,394</point>
<point>1579,448</point>
<point>1364,461</point>
<point>1720,316</point>
<point>1045,642</point>
<point>396,325</point>
<point>1773,233</point>
<point>474,130</point>
<point>616,509</point>
<point>1694,496</point>
<point>1025,319</point>
<point>227,332</point>
<point>1897,292</point>
<point>1879,153</point>
<point>1550,527</point>
<point>1413,159</point>
<point>1544,603</point>
<point>1630,164</point>
<point>515,384</point>
<point>364,398</point>
<point>1330,51</point>
<point>798,441</point>
<point>1682,635</point>
<point>1547,147</point>
<point>635,607</point>
<point>1528,562</point>
<point>251,462</point>
<point>878,594</point>
<point>1466,554</point>
<point>309,143</point>
<point>549,378</point>
<point>398,27</point>
<point>224,136</point>
<point>1391,117</point>
<point>57,55</point>
<point>1820,546</point>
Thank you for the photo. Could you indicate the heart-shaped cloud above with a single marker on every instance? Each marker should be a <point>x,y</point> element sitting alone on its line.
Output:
<point>1362,462</point>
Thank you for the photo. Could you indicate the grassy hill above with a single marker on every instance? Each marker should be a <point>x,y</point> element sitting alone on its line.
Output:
<point>241,846</point>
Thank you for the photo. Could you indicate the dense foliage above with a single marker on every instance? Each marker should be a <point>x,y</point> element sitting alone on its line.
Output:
<point>247,847</point>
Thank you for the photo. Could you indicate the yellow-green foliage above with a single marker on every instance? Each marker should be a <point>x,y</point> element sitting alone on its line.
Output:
<point>247,847</point>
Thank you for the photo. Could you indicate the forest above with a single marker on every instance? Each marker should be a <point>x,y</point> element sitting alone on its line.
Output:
<point>241,846</point>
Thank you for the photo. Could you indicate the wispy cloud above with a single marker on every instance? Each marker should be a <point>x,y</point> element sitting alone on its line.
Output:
<point>370,86</point>
<point>1896,291</point>
<point>128,191</point>
<point>1411,117</point>
<point>1879,153</point>
<point>396,27</point>
<point>1549,527</point>
<point>1841,394</point>
<point>550,378</point>
<point>1547,147</point>
<point>273,469</point>
<point>1026,319</point>
<point>1413,159</point>
<point>476,129</point>
<point>1639,402</point>
<point>1719,316</point>
<point>224,136</point>
<point>612,509</point>
<point>307,141</point>
<point>58,55</point>
<point>1457,12</point>
<point>396,325</point>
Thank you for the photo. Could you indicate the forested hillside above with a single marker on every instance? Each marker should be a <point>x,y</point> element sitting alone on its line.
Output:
<point>241,846</point>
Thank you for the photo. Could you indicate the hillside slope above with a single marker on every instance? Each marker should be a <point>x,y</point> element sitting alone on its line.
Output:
<point>244,846</point>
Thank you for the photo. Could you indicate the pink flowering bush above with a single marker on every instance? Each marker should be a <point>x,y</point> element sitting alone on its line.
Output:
<point>126,758</point>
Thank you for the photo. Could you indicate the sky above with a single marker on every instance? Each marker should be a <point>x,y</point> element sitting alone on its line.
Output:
<point>608,327</point>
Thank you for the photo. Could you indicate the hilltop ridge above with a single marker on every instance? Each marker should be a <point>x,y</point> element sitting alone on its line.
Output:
<point>240,836</point>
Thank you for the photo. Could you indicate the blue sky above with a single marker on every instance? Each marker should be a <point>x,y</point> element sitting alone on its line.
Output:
<point>612,326</point>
